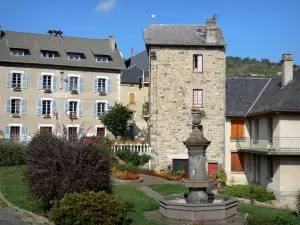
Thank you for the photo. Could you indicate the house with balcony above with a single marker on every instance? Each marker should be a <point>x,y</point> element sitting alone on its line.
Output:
<point>262,138</point>
<point>48,79</point>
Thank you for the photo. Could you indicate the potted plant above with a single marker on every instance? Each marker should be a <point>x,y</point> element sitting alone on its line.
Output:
<point>102,93</point>
<point>47,91</point>
<point>220,177</point>
<point>271,147</point>
<point>17,89</point>
<point>74,92</point>
<point>16,115</point>
<point>46,116</point>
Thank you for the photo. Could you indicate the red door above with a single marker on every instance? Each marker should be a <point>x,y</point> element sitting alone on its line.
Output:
<point>212,168</point>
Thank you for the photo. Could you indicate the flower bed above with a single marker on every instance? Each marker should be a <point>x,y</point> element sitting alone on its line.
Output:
<point>124,175</point>
<point>164,175</point>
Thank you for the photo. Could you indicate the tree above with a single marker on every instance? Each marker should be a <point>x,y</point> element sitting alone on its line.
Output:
<point>116,119</point>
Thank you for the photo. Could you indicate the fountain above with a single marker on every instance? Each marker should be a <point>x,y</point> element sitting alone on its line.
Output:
<point>198,204</point>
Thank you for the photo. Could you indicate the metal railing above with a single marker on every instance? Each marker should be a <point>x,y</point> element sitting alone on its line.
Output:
<point>275,143</point>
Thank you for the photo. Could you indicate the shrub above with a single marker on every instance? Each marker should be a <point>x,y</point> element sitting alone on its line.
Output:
<point>133,157</point>
<point>298,202</point>
<point>57,166</point>
<point>280,219</point>
<point>251,192</point>
<point>89,208</point>
<point>129,167</point>
<point>12,153</point>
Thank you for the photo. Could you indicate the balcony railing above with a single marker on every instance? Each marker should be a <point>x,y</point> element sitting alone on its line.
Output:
<point>275,143</point>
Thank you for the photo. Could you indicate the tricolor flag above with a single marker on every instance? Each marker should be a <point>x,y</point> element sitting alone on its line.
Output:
<point>55,114</point>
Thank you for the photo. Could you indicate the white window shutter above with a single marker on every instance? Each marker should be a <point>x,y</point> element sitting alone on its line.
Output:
<point>67,106</point>
<point>24,80</point>
<point>109,85</point>
<point>95,109</point>
<point>109,105</point>
<point>80,109</point>
<point>40,81</point>
<point>23,136</point>
<point>200,63</point>
<point>67,83</point>
<point>81,84</point>
<point>95,85</point>
<point>7,133</point>
<point>39,108</point>
<point>54,83</point>
<point>8,106</point>
<point>9,80</point>
<point>23,107</point>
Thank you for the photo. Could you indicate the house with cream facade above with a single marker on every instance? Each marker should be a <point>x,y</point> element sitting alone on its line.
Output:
<point>262,131</point>
<point>46,80</point>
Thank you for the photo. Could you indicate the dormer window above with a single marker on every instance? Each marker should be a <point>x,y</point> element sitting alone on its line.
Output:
<point>48,54</point>
<point>17,52</point>
<point>74,56</point>
<point>101,58</point>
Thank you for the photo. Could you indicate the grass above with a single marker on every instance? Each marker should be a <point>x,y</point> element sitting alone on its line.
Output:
<point>169,189</point>
<point>15,191</point>
<point>142,203</point>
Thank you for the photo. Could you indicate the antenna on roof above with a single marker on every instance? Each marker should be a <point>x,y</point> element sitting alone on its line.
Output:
<point>154,18</point>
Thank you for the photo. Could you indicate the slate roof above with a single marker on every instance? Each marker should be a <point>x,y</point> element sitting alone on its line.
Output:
<point>132,75</point>
<point>168,34</point>
<point>241,93</point>
<point>141,60</point>
<point>37,42</point>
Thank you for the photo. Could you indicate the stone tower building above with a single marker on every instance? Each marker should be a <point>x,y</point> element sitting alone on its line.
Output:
<point>187,70</point>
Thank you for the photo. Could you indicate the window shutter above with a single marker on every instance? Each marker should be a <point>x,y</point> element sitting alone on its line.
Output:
<point>234,162</point>
<point>95,85</point>
<point>23,136</point>
<point>67,83</point>
<point>80,109</point>
<point>54,83</point>
<point>9,80</point>
<point>80,132</point>
<point>109,105</point>
<point>240,128</point>
<point>39,108</point>
<point>240,162</point>
<point>23,107</point>
<point>109,85</point>
<point>24,80</point>
<point>131,98</point>
<point>40,81</point>
<point>81,85</point>
<point>66,106</point>
<point>95,109</point>
<point>200,64</point>
<point>53,106</point>
<point>8,106</point>
<point>234,128</point>
<point>7,133</point>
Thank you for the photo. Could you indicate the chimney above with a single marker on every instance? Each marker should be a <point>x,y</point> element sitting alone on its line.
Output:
<point>287,69</point>
<point>112,41</point>
<point>132,52</point>
<point>211,30</point>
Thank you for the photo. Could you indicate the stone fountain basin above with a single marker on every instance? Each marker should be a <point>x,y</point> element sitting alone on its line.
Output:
<point>218,208</point>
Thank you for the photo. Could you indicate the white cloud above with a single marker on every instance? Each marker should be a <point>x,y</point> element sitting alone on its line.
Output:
<point>106,5</point>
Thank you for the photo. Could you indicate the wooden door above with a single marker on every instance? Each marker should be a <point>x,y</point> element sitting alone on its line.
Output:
<point>212,169</point>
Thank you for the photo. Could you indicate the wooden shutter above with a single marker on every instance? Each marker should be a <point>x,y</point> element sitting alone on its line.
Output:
<point>8,106</point>
<point>40,81</point>
<point>9,80</point>
<point>240,128</point>
<point>234,159</point>
<point>234,129</point>
<point>240,162</point>
<point>109,85</point>
<point>95,84</point>
<point>132,98</point>
<point>24,80</point>
<point>200,63</point>
<point>54,83</point>
<point>81,84</point>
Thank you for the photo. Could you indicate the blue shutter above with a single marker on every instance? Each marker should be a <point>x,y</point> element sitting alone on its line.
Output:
<point>95,109</point>
<point>7,133</point>
<point>40,81</point>
<point>9,80</point>
<point>95,85</point>
<point>53,106</point>
<point>23,107</point>
<point>81,84</point>
<point>24,80</point>
<point>109,85</point>
<point>67,83</point>
<point>54,83</point>
<point>66,106</point>
<point>80,109</point>
<point>8,106</point>
<point>23,135</point>
<point>39,108</point>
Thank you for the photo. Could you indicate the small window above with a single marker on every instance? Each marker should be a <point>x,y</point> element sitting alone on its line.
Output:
<point>237,162</point>
<point>74,56</point>
<point>73,108</point>
<point>46,129</point>
<point>15,106</point>
<point>72,133</point>
<point>198,63</point>
<point>73,84</point>
<point>48,54</point>
<point>47,81</point>
<point>101,132</point>
<point>15,133</point>
<point>101,58</point>
<point>197,98</point>
<point>101,108</point>
<point>46,110</point>
<point>101,85</point>
<point>132,98</point>
<point>16,80</point>
<point>17,52</point>
<point>237,129</point>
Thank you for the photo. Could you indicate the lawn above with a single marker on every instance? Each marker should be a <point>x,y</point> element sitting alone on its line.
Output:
<point>169,189</point>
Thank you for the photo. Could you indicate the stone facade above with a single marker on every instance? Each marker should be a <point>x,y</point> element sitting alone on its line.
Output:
<point>172,80</point>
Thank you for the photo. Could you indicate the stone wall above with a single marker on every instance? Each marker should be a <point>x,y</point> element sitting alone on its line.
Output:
<point>172,82</point>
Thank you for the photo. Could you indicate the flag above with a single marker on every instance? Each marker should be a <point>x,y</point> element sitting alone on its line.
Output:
<point>55,114</point>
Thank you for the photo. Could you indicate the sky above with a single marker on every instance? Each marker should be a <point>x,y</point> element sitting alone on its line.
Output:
<point>256,29</point>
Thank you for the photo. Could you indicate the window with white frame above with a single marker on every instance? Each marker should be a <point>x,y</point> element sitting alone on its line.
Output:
<point>16,80</point>
<point>74,56</point>
<point>46,129</point>
<point>101,106</point>
<point>101,85</point>
<point>48,54</point>
<point>46,107</point>
<point>73,83</point>
<point>15,132</point>
<point>17,52</point>
<point>102,58</point>
<point>100,132</point>
<point>47,82</point>
<point>197,98</point>
<point>72,133</point>
<point>73,105</point>
<point>15,106</point>
<point>198,63</point>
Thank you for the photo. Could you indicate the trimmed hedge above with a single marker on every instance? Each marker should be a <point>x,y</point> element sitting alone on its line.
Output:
<point>273,219</point>
<point>12,153</point>
<point>133,158</point>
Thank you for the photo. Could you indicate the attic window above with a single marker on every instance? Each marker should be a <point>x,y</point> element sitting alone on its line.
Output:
<point>17,52</point>
<point>48,54</point>
<point>101,58</point>
<point>74,56</point>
